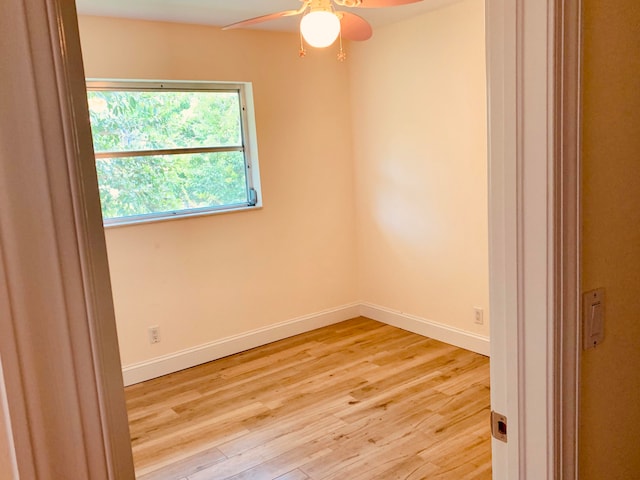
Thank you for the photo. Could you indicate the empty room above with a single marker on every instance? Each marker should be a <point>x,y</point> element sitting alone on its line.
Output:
<point>333,322</point>
<point>272,371</point>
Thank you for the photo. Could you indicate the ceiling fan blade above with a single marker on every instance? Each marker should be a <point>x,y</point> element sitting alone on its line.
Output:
<point>263,18</point>
<point>385,3</point>
<point>353,27</point>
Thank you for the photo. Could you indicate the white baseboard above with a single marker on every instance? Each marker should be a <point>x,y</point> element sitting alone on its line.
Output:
<point>428,328</point>
<point>190,357</point>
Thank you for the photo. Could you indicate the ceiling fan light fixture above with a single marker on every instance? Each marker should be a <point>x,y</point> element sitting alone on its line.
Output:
<point>320,28</point>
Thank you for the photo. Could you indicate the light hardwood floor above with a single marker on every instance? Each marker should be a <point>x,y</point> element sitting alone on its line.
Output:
<point>358,400</point>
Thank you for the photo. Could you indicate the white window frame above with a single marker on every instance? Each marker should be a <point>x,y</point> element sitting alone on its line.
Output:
<point>249,145</point>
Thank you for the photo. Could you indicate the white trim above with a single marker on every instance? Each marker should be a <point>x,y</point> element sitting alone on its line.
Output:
<point>64,389</point>
<point>536,238</point>
<point>428,328</point>
<point>568,237</point>
<point>521,48</point>
<point>8,462</point>
<point>207,352</point>
<point>501,32</point>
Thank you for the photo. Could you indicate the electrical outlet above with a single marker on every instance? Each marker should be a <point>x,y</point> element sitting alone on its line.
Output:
<point>478,318</point>
<point>154,334</point>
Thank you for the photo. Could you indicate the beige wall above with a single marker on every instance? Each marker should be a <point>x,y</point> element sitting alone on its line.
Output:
<point>419,123</point>
<point>419,241</point>
<point>610,396</point>
<point>227,274</point>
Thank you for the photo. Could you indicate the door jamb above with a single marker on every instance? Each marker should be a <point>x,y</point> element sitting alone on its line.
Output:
<point>568,239</point>
<point>59,349</point>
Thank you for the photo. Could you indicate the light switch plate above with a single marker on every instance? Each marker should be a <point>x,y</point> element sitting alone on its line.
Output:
<point>593,312</point>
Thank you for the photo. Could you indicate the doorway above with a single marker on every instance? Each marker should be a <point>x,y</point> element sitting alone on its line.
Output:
<point>13,360</point>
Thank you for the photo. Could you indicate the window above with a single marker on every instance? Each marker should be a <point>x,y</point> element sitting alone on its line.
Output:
<point>169,149</point>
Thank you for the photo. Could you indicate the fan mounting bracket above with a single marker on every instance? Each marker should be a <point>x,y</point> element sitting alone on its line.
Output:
<point>348,3</point>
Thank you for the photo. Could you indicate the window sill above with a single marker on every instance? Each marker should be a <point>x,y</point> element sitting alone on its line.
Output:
<point>178,216</point>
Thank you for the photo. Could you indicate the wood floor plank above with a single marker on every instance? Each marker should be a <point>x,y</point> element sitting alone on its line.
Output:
<point>269,434</point>
<point>293,475</point>
<point>174,468</point>
<point>254,463</point>
<point>394,460</point>
<point>273,468</point>
<point>358,400</point>
<point>190,437</point>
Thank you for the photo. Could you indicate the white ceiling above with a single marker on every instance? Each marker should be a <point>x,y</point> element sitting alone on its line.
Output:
<point>224,12</point>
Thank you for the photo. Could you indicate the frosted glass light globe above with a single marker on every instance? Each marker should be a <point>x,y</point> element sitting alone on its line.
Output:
<point>320,29</point>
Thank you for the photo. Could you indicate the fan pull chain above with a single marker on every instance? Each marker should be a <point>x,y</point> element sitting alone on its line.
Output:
<point>342,56</point>
<point>302,53</point>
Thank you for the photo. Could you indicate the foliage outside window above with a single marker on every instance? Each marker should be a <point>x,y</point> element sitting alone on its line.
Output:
<point>171,149</point>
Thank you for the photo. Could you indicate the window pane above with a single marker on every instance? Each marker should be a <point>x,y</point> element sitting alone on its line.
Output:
<point>150,120</point>
<point>166,183</point>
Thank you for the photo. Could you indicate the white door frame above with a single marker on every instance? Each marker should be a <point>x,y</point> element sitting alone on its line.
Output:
<point>567,221</point>
<point>64,389</point>
<point>59,350</point>
<point>533,89</point>
<point>520,67</point>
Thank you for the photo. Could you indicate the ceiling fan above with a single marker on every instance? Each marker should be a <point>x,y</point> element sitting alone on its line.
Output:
<point>322,23</point>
